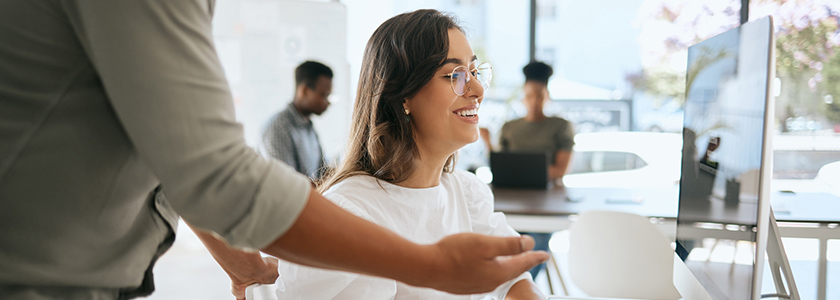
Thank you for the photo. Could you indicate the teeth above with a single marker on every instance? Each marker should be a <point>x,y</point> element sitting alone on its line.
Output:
<point>467,112</point>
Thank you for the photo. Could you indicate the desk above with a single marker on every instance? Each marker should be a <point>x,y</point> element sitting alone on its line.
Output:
<point>550,210</point>
<point>562,201</point>
<point>651,202</point>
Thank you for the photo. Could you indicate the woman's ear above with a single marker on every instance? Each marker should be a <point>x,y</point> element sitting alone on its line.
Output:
<point>406,107</point>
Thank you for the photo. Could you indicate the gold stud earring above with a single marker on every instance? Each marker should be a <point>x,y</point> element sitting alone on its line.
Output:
<point>406,111</point>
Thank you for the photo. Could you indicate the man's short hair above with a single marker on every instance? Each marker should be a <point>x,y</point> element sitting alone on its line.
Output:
<point>309,71</point>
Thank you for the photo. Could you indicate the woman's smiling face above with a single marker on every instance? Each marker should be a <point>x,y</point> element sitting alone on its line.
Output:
<point>442,120</point>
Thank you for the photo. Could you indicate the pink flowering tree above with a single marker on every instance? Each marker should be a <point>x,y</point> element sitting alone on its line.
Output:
<point>807,60</point>
<point>807,56</point>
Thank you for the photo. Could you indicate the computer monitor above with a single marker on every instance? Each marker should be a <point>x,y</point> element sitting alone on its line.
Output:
<point>724,212</point>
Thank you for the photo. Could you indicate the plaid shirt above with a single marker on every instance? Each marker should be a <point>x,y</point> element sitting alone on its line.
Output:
<point>291,138</point>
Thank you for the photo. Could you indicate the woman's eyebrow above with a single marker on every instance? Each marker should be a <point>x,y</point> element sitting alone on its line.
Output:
<point>458,61</point>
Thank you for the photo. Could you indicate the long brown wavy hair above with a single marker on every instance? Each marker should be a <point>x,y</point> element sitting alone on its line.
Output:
<point>402,55</point>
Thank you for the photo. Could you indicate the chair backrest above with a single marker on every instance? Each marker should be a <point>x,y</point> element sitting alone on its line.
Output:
<point>620,255</point>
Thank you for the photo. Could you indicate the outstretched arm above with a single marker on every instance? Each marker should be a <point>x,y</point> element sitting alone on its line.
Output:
<point>326,236</point>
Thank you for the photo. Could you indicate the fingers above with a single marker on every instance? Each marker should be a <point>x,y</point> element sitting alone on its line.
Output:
<point>526,243</point>
<point>479,263</point>
<point>503,246</point>
<point>518,264</point>
<point>514,254</point>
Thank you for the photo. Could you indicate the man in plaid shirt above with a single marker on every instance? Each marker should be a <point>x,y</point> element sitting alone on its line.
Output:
<point>290,136</point>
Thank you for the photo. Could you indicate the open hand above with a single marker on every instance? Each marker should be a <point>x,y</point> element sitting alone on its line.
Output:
<point>474,263</point>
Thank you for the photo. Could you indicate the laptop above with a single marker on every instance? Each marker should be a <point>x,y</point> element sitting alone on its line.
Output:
<point>524,170</point>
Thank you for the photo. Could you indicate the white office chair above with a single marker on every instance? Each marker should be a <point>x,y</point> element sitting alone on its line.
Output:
<point>620,255</point>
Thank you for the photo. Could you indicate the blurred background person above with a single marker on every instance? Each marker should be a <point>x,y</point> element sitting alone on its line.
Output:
<point>290,136</point>
<point>537,132</point>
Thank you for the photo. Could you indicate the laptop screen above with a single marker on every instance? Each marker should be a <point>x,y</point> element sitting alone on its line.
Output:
<point>519,169</point>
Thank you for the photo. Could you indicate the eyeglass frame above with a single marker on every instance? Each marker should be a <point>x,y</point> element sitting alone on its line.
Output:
<point>484,65</point>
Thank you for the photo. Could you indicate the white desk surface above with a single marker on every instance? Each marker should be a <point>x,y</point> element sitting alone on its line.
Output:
<point>655,202</point>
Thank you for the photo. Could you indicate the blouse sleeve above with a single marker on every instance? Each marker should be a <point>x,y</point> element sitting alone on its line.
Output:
<point>486,221</point>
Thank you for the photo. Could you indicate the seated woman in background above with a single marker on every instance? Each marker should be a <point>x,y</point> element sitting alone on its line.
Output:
<point>537,132</point>
<point>419,92</point>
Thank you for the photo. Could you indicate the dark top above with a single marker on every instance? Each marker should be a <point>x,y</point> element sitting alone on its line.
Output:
<point>550,135</point>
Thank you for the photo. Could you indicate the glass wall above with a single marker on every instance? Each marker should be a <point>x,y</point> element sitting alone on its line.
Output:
<point>808,69</point>
<point>833,291</point>
<point>627,50</point>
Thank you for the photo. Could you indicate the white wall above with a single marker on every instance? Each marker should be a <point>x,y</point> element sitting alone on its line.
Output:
<point>260,42</point>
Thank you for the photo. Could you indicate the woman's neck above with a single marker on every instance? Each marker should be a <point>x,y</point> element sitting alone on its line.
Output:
<point>535,117</point>
<point>428,171</point>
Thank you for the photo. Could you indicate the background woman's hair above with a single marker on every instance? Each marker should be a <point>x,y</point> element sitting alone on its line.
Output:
<point>537,71</point>
<point>402,55</point>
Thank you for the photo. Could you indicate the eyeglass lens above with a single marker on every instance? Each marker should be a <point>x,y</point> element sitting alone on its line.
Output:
<point>460,79</point>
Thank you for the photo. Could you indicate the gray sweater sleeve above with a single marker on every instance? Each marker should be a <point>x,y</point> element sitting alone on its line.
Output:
<point>164,80</point>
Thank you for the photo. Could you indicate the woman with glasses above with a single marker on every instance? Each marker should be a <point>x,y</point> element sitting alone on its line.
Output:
<point>417,103</point>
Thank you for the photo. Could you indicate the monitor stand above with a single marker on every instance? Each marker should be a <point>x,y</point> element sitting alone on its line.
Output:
<point>691,289</point>
<point>779,264</point>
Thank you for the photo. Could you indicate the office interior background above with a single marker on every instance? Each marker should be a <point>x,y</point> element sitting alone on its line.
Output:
<point>619,67</point>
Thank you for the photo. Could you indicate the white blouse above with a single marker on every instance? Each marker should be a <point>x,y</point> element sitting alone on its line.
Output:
<point>461,203</point>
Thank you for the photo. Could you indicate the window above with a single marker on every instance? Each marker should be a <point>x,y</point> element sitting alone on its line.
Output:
<point>547,55</point>
<point>807,110</point>
<point>630,50</point>
<point>546,9</point>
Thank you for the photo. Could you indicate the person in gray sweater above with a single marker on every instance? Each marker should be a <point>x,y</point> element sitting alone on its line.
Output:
<point>116,118</point>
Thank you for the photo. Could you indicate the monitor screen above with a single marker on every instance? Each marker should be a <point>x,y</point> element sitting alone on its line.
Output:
<point>723,153</point>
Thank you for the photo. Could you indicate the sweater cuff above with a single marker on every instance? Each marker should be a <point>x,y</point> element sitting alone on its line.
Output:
<point>277,205</point>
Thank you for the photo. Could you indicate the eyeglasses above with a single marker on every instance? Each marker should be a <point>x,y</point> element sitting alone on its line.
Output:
<point>460,80</point>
